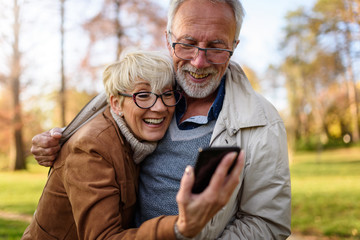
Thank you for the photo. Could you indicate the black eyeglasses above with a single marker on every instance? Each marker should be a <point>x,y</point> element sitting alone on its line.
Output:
<point>190,52</point>
<point>146,100</point>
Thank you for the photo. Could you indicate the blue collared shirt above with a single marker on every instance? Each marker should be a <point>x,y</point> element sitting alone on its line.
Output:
<point>196,121</point>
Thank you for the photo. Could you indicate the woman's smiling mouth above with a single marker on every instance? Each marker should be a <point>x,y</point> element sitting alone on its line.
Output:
<point>154,120</point>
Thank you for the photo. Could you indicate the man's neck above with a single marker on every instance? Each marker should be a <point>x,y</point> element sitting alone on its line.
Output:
<point>198,106</point>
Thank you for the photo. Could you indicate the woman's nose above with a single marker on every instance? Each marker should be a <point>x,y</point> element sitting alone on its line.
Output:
<point>159,105</point>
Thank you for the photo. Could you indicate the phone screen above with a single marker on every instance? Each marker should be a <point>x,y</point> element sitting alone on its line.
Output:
<point>206,164</point>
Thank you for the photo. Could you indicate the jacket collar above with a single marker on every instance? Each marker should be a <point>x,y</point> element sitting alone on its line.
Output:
<point>242,107</point>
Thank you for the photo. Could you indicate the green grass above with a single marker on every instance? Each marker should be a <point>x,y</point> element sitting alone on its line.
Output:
<point>21,190</point>
<point>20,193</point>
<point>11,230</point>
<point>326,193</point>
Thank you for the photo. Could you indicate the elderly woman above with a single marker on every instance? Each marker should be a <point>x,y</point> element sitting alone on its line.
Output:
<point>91,189</point>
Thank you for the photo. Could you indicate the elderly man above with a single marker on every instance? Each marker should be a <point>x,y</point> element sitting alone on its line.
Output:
<point>220,109</point>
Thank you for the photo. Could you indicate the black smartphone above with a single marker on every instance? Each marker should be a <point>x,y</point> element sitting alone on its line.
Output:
<point>206,164</point>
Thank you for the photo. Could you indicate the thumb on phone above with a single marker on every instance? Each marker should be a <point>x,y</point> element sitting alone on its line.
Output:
<point>186,183</point>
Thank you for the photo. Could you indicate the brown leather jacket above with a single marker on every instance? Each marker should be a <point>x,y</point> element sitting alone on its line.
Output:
<point>91,190</point>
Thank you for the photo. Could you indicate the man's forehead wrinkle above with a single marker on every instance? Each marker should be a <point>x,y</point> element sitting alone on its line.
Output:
<point>190,38</point>
<point>199,35</point>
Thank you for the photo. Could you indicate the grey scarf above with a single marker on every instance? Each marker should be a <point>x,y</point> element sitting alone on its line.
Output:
<point>140,149</point>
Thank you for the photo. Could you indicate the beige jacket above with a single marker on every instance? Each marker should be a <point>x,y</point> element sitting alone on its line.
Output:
<point>260,207</point>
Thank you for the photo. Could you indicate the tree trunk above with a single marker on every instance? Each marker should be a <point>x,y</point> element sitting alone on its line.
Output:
<point>354,110</point>
<point>19,158</point>
<point>63,84</point>
<point>119,30</point>
<point>353,103</point>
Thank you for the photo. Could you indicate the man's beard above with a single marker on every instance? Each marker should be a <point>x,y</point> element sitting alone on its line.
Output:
<point>197,90</point>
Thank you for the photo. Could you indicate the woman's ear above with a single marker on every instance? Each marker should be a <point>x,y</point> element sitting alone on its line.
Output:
<point>115,104</point>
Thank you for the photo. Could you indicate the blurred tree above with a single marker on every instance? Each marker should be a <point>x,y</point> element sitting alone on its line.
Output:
<point>77,100</point>
<point>337,119</point>
<point>130,23</point>
<point>5,121</point>
<point>339,20</point>
<point>309,70</point>
<point>12,83</point>
<point>297,46</point>
<point>320,50</point>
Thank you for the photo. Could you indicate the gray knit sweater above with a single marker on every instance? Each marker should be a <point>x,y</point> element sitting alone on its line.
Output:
<point>162,170</point>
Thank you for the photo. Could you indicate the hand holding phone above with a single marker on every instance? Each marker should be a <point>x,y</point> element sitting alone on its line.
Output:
<point>206,164</point>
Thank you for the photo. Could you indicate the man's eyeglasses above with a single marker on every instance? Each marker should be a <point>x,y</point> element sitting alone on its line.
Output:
<point>146,100</point>
<point>190,52</point>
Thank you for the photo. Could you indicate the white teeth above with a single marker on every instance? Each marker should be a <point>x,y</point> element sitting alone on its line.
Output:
<point>154,120</point>
<point>195,75</point>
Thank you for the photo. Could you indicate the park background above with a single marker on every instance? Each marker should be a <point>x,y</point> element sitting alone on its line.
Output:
<point>302,55</point>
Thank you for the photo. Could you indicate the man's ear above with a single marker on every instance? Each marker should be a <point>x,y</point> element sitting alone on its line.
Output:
<point>167,42</point>
<point>236,43</point>
<point>115,104</point>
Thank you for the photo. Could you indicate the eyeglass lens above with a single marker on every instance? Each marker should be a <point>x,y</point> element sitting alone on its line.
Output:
<point>148,99</point>
<point>189,52</point>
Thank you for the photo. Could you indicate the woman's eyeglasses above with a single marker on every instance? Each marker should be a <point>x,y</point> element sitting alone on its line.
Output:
<point>146,100</point>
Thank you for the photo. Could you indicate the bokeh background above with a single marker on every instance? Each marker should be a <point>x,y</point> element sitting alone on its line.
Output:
<point>304,56</point>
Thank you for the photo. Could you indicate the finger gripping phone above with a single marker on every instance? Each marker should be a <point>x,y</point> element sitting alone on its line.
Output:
<point>206,164</point>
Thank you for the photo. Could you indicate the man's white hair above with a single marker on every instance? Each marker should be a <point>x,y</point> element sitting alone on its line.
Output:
<point>235,5</point>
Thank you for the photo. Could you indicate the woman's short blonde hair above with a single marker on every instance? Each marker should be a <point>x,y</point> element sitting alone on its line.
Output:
<point>154,67</point>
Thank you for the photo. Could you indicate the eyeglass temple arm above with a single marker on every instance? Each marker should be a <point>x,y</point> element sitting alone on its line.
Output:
<point>125,94</point>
